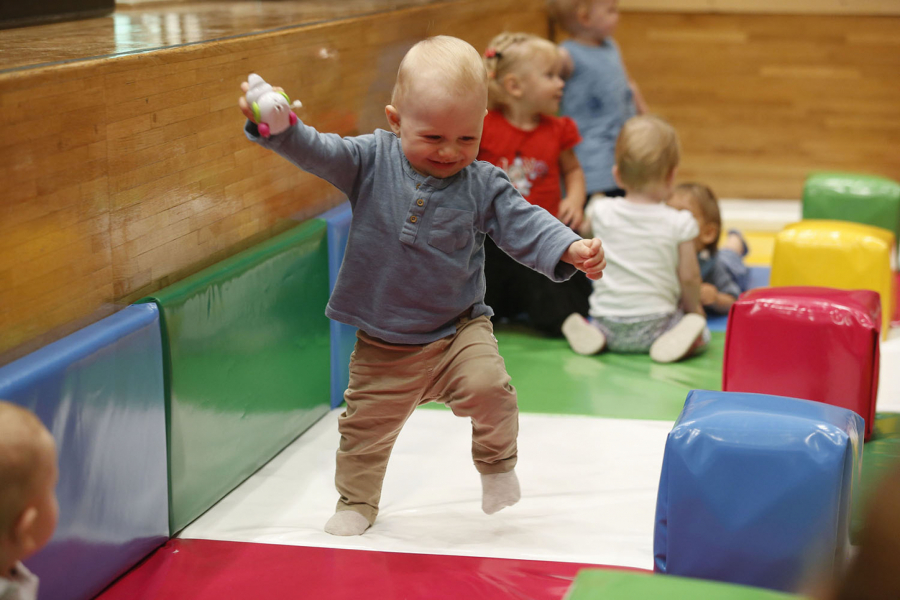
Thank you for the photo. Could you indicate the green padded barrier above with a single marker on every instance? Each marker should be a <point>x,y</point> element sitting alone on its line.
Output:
<point>865,199</point>
<point>246,349</point>
<point>605,584</point>
<point>550,378</point>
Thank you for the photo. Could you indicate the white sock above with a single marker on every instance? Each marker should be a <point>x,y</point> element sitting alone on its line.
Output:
<point>583,337</point>
<point>346,522</point>
<point>499,490</point>
<point>678,342</point>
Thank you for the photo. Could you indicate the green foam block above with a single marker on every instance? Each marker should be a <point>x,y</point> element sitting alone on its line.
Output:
<point>865,199</point>
<point>246,364</point>
<point>602,584</point>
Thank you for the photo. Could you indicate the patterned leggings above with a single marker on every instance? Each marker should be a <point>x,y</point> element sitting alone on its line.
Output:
<point>635,334</point>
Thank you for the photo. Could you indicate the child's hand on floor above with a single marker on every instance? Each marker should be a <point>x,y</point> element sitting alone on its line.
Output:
<point>587,256</point>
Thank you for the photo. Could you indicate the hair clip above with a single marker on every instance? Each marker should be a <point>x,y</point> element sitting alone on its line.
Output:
<point>492,53</point>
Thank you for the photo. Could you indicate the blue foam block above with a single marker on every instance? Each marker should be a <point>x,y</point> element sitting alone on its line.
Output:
<point>343,337</point>
<point>100,392</point>
<point>756,489</point>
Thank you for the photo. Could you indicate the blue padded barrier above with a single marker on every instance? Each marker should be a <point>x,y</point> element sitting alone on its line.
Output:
<point>759,277</point>
<point>100,392</point>
<point>756,489</point>
<point>343,337</point>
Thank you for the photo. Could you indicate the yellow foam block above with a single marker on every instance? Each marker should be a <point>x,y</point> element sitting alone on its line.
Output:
<point>837,254</point>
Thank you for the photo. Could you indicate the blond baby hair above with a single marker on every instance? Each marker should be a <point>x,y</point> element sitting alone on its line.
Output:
<point>511,53</point>
<point>22,441</point>
<point>565,12</point>
<point>456,62</point>
<point>646,152</point>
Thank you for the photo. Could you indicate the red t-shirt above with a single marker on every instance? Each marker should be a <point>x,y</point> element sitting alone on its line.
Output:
<point>530,158</point>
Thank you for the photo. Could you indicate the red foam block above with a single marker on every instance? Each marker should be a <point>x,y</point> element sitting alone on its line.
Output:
<point>812,343</point>
<point>214,570</point>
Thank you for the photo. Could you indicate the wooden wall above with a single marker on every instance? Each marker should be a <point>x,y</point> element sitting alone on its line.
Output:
<point>123,175</point>
<point>762,100</point>
<point>781,7</point>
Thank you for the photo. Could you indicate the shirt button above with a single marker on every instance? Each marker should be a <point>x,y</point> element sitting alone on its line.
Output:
<point>413,219</point>
<point>420,202</point>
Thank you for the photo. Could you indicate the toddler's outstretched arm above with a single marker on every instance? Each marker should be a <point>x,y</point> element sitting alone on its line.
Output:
<point>689,276</point>
<point>588,256</point>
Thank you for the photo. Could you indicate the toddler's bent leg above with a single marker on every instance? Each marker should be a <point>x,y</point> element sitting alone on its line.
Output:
<point>734,264</point>
<point>473,381</point>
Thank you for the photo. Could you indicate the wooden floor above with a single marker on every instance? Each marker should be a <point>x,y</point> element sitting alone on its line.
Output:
<point>142,27</point>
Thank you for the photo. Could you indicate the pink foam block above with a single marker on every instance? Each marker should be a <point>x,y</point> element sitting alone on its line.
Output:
<point>812,343</point>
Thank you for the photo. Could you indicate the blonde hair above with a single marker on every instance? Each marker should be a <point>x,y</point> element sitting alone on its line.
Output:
<point>511,53</point>
<point>646,152</point>
<point>457,62</point>
<point>565,12</point>
<point>708,205</point>
<point>22,443</point>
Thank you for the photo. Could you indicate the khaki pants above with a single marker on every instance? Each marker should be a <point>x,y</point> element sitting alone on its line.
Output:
<point>388,381</point>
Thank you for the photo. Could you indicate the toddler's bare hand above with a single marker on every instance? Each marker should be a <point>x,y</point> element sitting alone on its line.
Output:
<point>570,214</point>
<point>708,294</point>
<point>587,256</point>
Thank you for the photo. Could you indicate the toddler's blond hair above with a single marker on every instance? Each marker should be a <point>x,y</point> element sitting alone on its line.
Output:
<point>647,151</point>
<point>23,440</point>
<point>511,53</point>
<point>565,12</point>
<point>458,64</point>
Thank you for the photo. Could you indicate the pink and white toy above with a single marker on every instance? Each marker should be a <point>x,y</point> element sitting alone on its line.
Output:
<point>271,109</point>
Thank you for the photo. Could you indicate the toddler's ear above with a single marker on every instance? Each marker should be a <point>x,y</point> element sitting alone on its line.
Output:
<point>21,532</point>
<point>393,117</point>
<point>709,233</point>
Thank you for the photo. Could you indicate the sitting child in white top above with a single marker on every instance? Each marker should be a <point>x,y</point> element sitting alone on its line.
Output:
<point>649,297</point>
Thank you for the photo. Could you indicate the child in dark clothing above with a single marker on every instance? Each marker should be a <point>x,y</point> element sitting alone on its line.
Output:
<point>723,271</point>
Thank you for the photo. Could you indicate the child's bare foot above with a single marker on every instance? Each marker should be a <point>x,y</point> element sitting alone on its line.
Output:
<point>346,522</point>
<point>499,490</point>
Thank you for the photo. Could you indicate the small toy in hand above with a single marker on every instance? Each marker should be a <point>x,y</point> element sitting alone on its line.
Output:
<point>271,109</point>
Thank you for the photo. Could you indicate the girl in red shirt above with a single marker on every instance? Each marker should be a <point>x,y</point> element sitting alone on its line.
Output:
<point>534,147</point>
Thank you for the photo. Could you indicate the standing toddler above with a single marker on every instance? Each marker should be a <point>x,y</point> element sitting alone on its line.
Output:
<point>412,279</point>
<point>649,297</point>
<point>599,95</point>
<point>524,137</point>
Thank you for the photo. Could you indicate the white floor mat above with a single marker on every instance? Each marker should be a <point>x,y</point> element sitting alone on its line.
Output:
<point>588,484</point>
<point>889,374</point>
